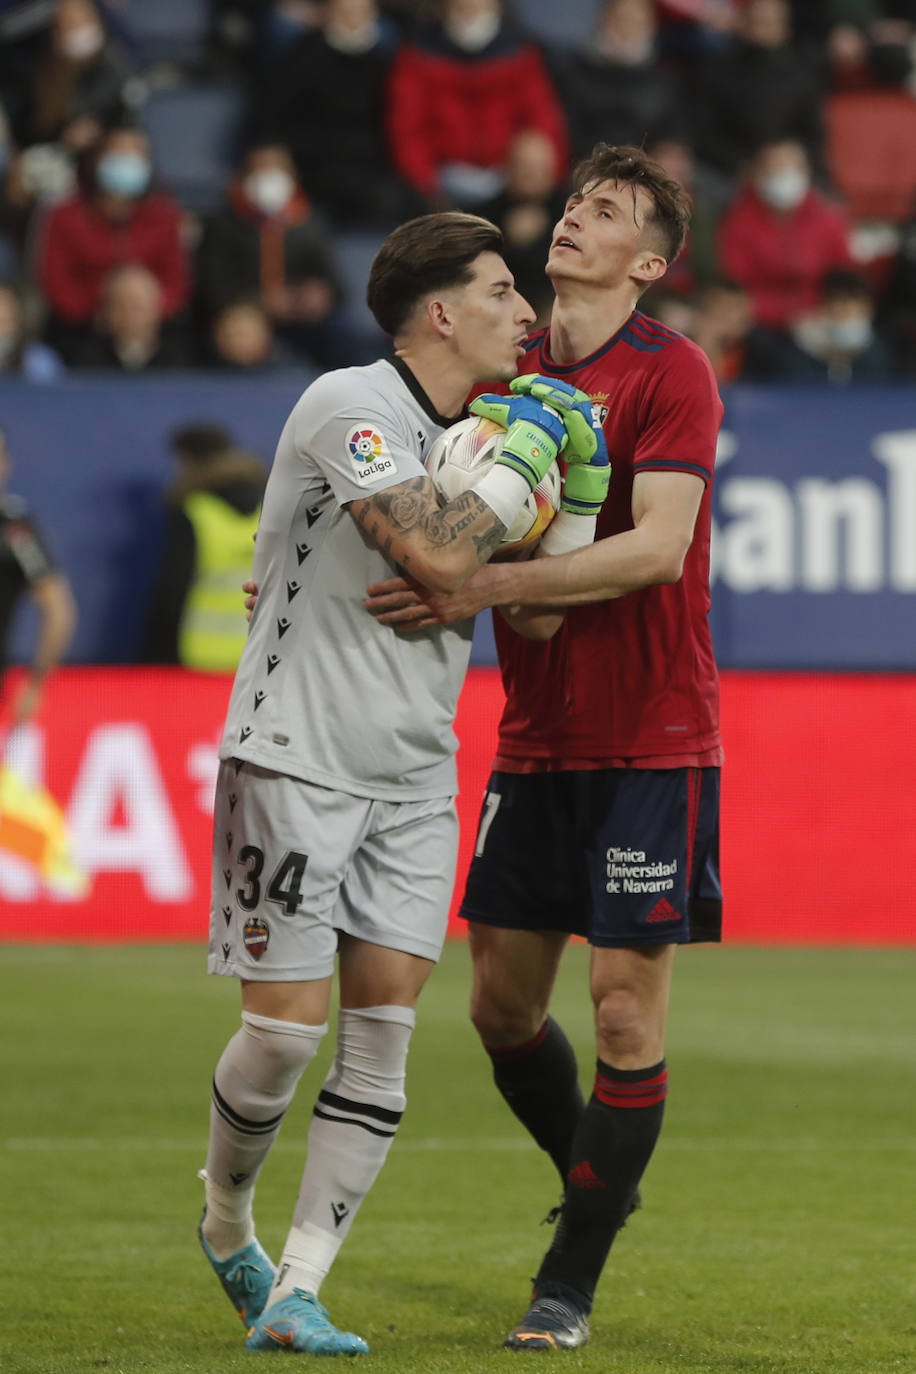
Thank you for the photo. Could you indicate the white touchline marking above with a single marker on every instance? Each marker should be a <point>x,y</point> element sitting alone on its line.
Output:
<point>434,1144</point>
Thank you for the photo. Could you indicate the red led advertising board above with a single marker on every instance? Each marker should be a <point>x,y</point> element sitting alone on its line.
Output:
<point>818,818</point>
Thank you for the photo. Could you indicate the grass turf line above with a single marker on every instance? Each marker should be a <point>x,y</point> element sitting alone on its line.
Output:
<point>776,1235</point>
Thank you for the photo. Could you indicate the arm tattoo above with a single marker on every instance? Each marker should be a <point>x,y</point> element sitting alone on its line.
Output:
<point>415,505</point>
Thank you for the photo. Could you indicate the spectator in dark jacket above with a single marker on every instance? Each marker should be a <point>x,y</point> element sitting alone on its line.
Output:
<point>325,100</point>
<point>527,211</point>
<point>269,242</point>
<point>20,355</point>
<point>615,88</point>
<point>837,341</point>
<point>116,219</point>
<point>242,339</point>
<point>898,312</point>
<point>130,334</point>
<point>78,83</point>
<point>761,88</point>
<point>460,92</point>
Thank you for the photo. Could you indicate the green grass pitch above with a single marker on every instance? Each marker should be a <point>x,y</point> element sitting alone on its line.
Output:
<point>779,1222</point>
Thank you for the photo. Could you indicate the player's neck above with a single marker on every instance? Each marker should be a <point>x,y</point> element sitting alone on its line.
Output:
<point>581,321</point>
<point>445,384</point>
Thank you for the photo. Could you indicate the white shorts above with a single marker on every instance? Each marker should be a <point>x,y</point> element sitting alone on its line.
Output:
<point>294,863</point>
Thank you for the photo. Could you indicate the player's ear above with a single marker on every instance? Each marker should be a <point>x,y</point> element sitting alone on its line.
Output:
<point>649,267</point>
<point>441,317</point>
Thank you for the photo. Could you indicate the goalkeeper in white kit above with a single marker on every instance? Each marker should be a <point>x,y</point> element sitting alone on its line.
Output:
<point>335,832</point>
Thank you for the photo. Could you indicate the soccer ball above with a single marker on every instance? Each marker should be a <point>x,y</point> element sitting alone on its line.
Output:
<point>469,449</point>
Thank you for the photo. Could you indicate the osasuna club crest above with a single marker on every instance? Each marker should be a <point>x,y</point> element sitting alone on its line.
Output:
<point>256,935</point>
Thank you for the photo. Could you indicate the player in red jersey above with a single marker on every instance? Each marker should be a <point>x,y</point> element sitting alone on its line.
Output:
<point>609,741</point>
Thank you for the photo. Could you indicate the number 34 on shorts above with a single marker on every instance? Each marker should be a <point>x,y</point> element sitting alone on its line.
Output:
<point>284,886</point>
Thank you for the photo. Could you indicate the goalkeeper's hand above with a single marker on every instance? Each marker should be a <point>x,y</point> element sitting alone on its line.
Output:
<point>589,472</point>
<point>535,432</point>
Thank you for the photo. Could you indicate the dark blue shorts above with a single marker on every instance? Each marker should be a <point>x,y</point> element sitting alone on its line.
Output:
<point>622,856</point>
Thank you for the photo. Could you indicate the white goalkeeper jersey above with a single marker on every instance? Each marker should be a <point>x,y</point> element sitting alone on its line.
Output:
<point>323,692</point>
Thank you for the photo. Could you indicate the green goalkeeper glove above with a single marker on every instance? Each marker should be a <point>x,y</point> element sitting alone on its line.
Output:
<point>535,433</point>
<point>589,472</point>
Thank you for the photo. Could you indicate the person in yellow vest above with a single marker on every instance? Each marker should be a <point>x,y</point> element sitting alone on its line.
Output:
<point>195,617</point>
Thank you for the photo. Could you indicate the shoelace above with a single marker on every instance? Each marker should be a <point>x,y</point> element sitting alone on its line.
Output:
<point>244,1272</point>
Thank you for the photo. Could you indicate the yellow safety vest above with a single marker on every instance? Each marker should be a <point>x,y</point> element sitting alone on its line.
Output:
<point>213,624</point>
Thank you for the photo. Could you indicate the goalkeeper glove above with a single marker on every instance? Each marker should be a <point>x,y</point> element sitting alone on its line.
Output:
<point>535,433</point>
<point>589,472</point>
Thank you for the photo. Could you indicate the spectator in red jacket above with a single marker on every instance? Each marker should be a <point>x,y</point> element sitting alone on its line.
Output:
<point>459,93</point>
<point>780,235</point>
<point>115,219</point>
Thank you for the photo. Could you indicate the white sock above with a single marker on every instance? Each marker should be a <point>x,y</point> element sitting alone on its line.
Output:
<point>354,1122</point>
<point>253,1085</point>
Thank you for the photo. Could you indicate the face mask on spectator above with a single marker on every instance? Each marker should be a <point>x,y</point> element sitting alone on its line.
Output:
<point>783,190</point>
<point>82,42</point>
<point>352,41</point>
<point>270,190</point>
<point>851,336</point>
<point>473,35</point>
<point>123,174</point>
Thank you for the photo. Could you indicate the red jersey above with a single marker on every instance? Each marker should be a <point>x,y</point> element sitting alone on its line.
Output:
<point>630,682</point>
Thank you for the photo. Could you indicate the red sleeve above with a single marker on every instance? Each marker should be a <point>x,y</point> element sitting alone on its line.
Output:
<point>68,290</point>
<point>411,151</point>
<point>681,421</point>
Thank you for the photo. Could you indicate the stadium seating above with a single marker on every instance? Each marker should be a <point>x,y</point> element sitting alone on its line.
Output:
<point>354,250</point>
<point>566,25</point>
<point>871,152</point>
<point>194,132</point>
<point>166,31</point>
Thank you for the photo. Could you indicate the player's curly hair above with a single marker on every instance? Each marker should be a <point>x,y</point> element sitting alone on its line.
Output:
<point>633,167</point>
<point>425,255</point>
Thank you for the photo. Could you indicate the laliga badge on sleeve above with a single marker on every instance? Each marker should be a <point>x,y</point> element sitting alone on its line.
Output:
<point>370,456</point>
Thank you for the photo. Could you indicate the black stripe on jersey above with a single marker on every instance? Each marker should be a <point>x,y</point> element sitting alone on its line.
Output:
<point>351,1121</point>
<point>346,1104</point>
<point>671,465</point>
<point>241,1123</point>
<point>641,344</point>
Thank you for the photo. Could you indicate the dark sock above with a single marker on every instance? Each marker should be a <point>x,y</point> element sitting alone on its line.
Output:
<point>615,1140</point>
<point>540,1082</point>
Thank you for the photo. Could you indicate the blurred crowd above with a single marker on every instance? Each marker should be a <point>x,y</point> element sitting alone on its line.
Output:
<point>793,126</point>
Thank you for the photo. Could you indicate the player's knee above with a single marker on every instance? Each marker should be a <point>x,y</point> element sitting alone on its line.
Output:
<point>502,1019</point>
<point>624,1026</point>
<point>282,1049</point>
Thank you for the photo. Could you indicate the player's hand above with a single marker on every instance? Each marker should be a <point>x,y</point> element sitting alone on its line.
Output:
<point>535,432</point>
<point>407,605</point>
<point>251,600</point>
<point>586,437</point>
<point>589,469</point>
